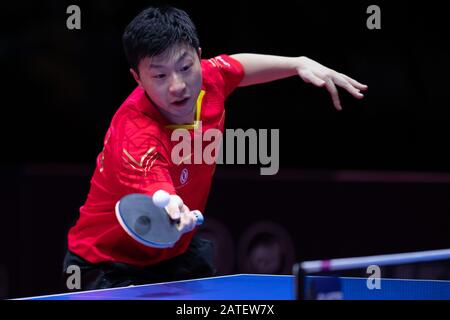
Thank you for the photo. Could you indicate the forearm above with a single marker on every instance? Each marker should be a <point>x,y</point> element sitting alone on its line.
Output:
<point>261,68</point>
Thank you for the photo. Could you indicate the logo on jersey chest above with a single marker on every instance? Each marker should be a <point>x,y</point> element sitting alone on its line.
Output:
<point>184,176</point>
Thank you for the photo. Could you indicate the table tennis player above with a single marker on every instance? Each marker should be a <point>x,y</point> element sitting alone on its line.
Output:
<point>176,88</point>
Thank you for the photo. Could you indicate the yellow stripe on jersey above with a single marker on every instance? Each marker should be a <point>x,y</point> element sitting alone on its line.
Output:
<point>198,112</point>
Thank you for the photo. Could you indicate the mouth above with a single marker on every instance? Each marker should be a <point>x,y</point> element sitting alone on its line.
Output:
<point>181,102</point>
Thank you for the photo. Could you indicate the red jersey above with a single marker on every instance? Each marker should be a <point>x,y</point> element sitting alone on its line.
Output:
<point>137,158</point>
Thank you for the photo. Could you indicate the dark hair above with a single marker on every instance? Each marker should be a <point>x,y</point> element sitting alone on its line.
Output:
<point>156,29</point>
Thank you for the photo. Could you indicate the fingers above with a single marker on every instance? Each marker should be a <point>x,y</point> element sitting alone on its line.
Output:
<point>321,76</point>
<point>334,94</point>
<point>177,210</point>
<point>355,83</point>
<point>343,83</point>
<point>174,207</point>
<point>347,83</point>
<point>187,222</point>
<point>309,77</point>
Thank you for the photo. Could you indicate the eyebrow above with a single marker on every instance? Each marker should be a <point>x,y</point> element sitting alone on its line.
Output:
<point>152,65</point>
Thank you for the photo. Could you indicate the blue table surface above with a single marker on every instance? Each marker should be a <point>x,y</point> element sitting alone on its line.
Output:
<point>261,287</point>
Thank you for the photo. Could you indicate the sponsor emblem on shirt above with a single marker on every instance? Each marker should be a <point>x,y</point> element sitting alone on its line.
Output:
<point>184,176</point>
<point>219,62</point>
<point>220,59</point>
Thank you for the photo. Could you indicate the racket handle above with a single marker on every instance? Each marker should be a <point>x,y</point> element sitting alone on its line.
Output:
<point>199,217</point>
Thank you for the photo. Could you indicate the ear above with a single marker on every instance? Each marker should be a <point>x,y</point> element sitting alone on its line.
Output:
<point>136,76</point>
<point>199,51</point>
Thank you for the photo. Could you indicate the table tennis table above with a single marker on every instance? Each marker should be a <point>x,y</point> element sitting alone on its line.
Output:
<point>262,287</point>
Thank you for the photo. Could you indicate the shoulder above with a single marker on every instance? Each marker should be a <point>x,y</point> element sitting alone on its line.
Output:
<point>222,72</point>
<point>135,131</point>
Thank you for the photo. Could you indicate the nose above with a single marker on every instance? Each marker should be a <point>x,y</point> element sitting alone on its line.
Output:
<point>177,84</point>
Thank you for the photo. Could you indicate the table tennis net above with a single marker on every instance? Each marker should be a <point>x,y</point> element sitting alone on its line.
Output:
<point>313,276</point>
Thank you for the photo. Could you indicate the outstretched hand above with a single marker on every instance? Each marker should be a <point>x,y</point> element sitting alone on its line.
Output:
<point>313,72</point>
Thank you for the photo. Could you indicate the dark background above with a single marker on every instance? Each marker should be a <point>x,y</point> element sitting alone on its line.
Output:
<point>371,179</point>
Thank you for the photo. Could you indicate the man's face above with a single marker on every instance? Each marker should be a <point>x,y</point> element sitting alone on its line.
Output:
<point>173,81</point>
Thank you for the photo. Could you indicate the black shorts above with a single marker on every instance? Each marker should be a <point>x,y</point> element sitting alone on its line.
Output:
<point>196,262</point>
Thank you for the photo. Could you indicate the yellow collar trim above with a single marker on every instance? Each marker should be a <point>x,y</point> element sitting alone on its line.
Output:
<point>198,112</point>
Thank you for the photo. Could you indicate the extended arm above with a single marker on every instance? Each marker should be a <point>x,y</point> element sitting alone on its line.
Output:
<point>261,68</point>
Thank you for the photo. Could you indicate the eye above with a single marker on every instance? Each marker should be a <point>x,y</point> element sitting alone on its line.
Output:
<point>186,68</point>
<point>159,76</point>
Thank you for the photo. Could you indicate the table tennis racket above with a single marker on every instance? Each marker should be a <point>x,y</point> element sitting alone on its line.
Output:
<point>146,220</point>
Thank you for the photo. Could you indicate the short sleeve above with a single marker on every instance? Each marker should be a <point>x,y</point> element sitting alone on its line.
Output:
<point>231,72</point>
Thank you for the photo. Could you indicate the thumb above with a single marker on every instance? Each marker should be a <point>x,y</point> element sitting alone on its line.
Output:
<point>174,207</point>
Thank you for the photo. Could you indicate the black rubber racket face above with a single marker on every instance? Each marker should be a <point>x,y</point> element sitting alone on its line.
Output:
<point>145,222</point>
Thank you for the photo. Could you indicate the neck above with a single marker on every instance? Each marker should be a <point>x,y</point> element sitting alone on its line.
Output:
<point>187,119</point>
